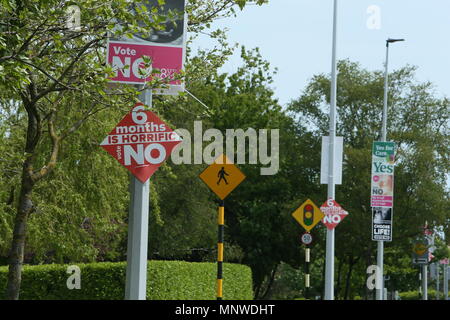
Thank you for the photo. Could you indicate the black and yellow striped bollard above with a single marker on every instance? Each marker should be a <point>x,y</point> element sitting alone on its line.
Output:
<point>220,222</point>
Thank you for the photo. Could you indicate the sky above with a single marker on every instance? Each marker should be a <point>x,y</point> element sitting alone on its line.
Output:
<point>295,36</point>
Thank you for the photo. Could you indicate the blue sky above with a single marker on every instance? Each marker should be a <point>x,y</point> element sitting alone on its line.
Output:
<point>295,37</point>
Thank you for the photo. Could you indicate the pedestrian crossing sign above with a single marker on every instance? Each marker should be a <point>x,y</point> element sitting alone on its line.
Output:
<point>222,176</point>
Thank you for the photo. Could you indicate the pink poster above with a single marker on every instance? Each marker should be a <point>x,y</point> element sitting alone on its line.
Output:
<point>382,191</point>
<point>165,46</point>
<point>126,60</point>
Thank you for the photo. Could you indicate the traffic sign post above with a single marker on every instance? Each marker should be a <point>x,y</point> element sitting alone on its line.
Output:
<point>437,281</point>
<point>221,225</point>
<point>141,142</point>
<point>136,276</point>
<point>446,276</point>
<point>222,177</point>
<point>420,252</point>
<point>307,240</point>
<point>307,215</point>
<point>420,257</point>
<point>424,282</point>
<point>307,277</point>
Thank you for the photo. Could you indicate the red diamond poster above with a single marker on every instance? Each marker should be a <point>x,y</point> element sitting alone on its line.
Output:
<point>141,142</point>
<point>334,214</point>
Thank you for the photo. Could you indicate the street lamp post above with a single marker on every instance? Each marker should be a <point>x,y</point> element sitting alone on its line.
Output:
<point>329,258</point>
<point>380,246</point>
<point>385,100</point>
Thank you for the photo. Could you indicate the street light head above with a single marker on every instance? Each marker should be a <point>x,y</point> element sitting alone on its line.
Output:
<point>389,40</point>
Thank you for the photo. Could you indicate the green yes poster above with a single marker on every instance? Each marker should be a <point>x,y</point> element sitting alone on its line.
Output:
<point>382,185</point>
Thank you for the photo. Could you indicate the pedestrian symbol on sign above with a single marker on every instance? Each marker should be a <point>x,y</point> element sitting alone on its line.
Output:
<point>222,176</point>
<point>222,173</point>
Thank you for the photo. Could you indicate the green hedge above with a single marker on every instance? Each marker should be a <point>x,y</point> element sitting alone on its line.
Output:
<point>414,295</point>
<point>166,280</point>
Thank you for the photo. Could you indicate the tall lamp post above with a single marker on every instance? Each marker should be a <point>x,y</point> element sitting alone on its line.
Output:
<point>380,246</point>
<point>329,258</point>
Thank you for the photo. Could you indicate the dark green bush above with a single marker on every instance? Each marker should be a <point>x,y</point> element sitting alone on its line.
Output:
<point>166,280</point>
<point>415,295</point>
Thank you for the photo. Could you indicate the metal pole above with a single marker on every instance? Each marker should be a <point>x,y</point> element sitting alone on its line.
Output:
<point>220,222</point>
<point>420,281</point>
<point>380,244</point>
<point>136,278</point>
<point>329,260</point>
<point>380,263</point>
<point>385,99</point>
<point>307,277</point>
<point>446,272</point>
<point>424,282</point>
<point>437,280</point>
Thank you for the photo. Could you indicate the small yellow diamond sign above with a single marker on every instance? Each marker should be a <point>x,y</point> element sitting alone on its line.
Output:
<point>308,215</point>
<point>420,248</point>
<point>222,176</point>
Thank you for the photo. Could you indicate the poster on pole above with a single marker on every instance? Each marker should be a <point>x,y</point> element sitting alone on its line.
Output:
<point>382,183</point>
<point>381,224</point>
<point>382,190</point>
<point>333,212</point>
<point>165,47</point>
<point>141,142</point>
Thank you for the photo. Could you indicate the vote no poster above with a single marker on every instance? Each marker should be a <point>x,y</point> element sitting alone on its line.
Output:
<point>165,47</point>
<point>382,190</point>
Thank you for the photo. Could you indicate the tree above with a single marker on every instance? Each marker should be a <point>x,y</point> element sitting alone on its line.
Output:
<point>46,66</point>
<point>419,124</point>
<point>257,219</point>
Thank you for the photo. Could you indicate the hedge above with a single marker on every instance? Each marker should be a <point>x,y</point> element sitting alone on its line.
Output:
<point>166,280</point>
<point>415,295</point>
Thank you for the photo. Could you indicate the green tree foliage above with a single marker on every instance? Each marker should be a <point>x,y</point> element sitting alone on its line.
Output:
<point>257,213</point>
<point>69,200</point>
<point>53,81</point>
<point>419,124</point>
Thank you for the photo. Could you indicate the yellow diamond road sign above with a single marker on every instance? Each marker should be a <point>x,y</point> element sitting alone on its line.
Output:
<point>308,215</point>
<point>222,176</point>
<point>420,248</point>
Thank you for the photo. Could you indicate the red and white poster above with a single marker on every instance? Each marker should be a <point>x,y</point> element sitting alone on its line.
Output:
<point>141,142</point>
<point>126,60</point>
<point>165,47</point>
<point>333,212</point>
